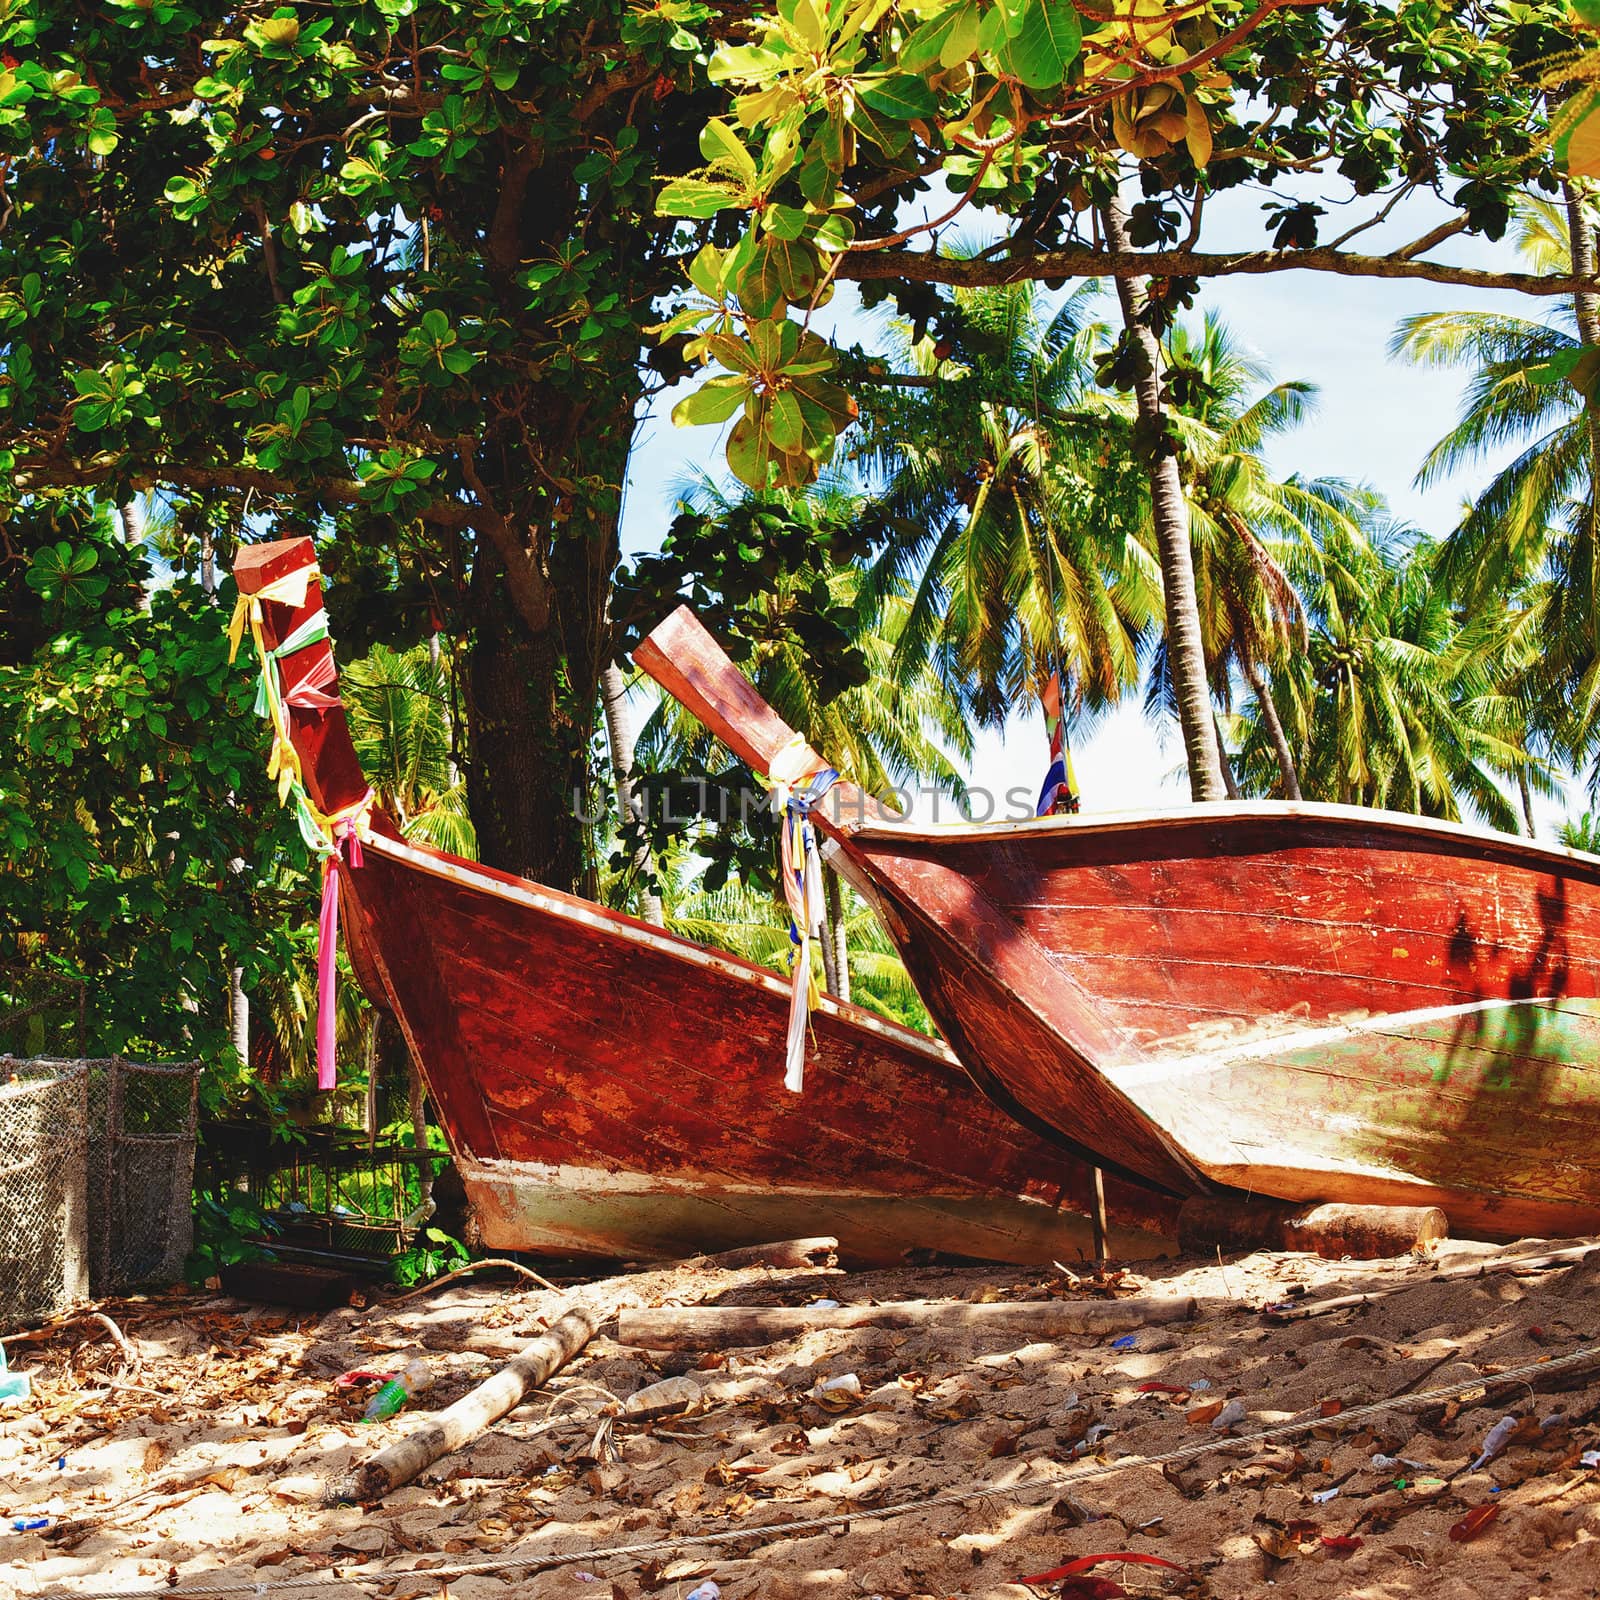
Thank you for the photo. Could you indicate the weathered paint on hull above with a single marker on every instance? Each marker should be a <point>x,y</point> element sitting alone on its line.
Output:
<point>583,1212</point>
<point>1304,1001</point>
<point>560,1038</point>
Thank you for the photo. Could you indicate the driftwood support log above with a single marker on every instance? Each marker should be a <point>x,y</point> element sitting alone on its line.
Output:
<point>475,1411</point>
<point>796,1255</point>
<point>724,1327</point>
<point>1363,1233</point>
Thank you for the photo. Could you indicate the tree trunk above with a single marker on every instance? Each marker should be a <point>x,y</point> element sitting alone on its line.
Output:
<point>1580,233</point>
<point>1229,782</point>
<point>1527,802</point>
<point>1581,243</point>
<point>537,637</point>
<point>239,1015</point>
<point>370,1116</point>
<point>133,523</point>
<point>419,1131</point>
<point>838,938</point>
<point>208,562</point>
<point>1269,715</point>
<point>619,735</point>
<point>1169,514</point>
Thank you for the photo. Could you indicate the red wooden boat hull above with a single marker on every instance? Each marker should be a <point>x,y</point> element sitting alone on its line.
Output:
<point>612,1090</point>
<point>1309,1002</point>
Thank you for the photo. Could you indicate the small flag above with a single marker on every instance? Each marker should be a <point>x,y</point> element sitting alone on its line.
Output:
<point>1060,791</point>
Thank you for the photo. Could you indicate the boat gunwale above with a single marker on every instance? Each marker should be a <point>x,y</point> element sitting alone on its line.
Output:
<point>1211,811</point>
<point>572,908</point>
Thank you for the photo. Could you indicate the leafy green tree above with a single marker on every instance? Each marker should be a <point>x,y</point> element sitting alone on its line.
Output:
<point>144,850</point>
<point>1528,540</point>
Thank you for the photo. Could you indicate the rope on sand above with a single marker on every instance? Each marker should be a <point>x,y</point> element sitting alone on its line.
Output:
<point>1084,1472</point>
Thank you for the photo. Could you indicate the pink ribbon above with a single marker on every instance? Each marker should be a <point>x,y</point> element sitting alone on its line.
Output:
<point>328,949</point>
<point>310,693</point>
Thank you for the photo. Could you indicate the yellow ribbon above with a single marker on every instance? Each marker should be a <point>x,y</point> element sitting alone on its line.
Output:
<point>289,590</point>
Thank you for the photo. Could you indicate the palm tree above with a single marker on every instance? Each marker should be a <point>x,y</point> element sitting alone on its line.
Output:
<point>1256,539</point>
<point>1531,539</point>
<point>1013,536</point>
<point>398,703</point>
<point>1399,699</point>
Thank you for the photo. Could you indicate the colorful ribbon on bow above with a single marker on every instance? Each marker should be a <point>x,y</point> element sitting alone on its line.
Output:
<point>798,778</point>
<point>345,832</point>
<point>335,838</point>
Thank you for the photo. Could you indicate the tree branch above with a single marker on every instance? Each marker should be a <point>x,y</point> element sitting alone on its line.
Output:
<point>68,473</point>
<point>921,266</point>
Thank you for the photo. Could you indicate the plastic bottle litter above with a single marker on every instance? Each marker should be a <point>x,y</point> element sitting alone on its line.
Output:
<point>1498,1437</point>
<point>823,1305</point>
<point>1323,1496</point>
<point>1127,1342</point>
<point>683,1391</point>
<point>1230,1415</point>
<point>1589,1458</point>
<point>13,1385</point>
<point>838,1391</point>
<point>706,1591</point>
<point>1199,1384</point>
<point>416,1376</point>
<point>29,1524</point>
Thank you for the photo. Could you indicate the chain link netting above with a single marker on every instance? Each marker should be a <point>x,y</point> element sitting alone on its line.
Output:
<point>141,1172</point>
<point>96,1172</point>
<point>44,1123</point>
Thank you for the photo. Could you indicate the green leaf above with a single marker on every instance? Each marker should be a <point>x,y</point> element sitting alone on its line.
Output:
<point>722,147</point>
<point>714,401</point>
<point>1044,46</point>
<point>696,198</point>
<point>788,425</point>
<point>944,40</point>
<point>901,96</point>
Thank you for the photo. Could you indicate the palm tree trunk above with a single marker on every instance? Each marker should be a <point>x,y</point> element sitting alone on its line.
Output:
<point>1269,715</point>
<point>1580,234</point>
<point>619,734</point>
<point>838,941</point>
<point>1527,802</point>
<point>830,952</point>
<point>239,1015</point>
<point>370,1116</point>
<point>1170,516</point>
<point>1229,782</point>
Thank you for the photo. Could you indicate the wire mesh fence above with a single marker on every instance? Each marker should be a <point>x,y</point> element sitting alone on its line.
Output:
<point>141,1172</point>
<point>44,1123</point>
<point>96,1171</point>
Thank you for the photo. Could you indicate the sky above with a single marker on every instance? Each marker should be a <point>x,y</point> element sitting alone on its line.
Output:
<point>1375,421</point>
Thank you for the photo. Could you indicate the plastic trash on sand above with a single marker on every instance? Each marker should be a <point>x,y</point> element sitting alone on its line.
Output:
<point>1498,1438</point>
<point>706,1591</point>
<point>14,1386</point>
<point>416,1377</point>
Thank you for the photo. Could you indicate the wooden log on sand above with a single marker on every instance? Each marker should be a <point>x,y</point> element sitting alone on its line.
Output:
<point>1362,1233</point>
<point>475,1411</point>
<point>724,1327</point>
<point>790,1254</point>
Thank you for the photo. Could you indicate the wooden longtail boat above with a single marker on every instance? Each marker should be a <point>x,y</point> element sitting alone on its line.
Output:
<point>1310,1002</point>
<point>612,1090</point>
